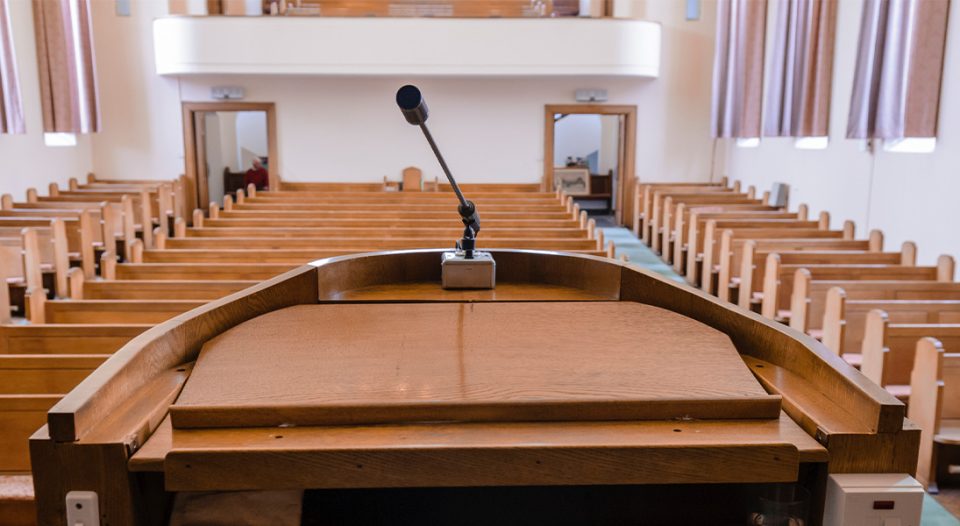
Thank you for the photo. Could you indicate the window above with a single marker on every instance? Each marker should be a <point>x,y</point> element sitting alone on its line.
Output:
<point>811,143</point>
<point>60,139</point>
<point>910,145</point>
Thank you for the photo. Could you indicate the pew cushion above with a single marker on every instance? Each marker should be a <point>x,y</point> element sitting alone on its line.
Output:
<point>854,358</point>
<point>902,392</point>
<point>949,432</point>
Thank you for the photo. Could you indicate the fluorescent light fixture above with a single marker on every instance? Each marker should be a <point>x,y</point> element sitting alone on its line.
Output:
<point>811,143</point>
<point>60,139</point>
<point>750,142</point>
<point>910,145</point>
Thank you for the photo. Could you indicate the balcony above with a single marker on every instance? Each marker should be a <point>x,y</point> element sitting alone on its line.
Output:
<point>406,46</point>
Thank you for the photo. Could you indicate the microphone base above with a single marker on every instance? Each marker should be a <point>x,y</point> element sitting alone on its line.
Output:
<point>458,272</point>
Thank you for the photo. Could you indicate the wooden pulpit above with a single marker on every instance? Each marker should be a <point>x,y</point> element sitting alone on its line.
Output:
<point>577,380</point>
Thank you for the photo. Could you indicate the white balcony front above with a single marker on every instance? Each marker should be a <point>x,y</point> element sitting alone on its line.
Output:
<point>406,46</point>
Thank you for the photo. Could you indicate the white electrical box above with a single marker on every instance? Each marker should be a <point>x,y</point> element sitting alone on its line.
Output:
<point>880,499</point>
<point>591,95</point>
<point>227,93</point>
<point>83,508</point>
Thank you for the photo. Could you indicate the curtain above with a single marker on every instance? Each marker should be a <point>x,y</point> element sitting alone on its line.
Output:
<point>11,109</point>
<point>797,102</point>
<point>738,68</point>
<point>68,88</point>
<point>896,88</point>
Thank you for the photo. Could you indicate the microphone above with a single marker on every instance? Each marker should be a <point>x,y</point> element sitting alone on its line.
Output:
<point>479,270</point>
<point>412,105</point>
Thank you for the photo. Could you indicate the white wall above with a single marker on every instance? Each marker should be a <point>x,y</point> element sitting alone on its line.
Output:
<point>348,129</point>
<point>908,196</point>
<point>609,143</point>
<point>26,160</point>
<point>576,136</point>
<point>216,160</point>
<point>251,130</point>
<point>142,135</point>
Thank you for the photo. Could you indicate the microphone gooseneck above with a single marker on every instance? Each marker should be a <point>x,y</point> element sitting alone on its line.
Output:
<point>415,111</point>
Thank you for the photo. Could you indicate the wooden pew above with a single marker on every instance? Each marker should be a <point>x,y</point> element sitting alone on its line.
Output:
<point>148,205</point>
<point>79,235</point>
<point>778,281</point>
<point>843,326</point>
<point>689,224</point>
<point>755,254</point>
<point>722,249</point>
<point>673,242</point>
<point>92,178</point>
<point>39,251</point>
<point>45,373</point>
<point>643,200</point>
<point>20,417</point>
<point>29,386</point>
<point>54,338</point>
<point>809,295</point>
<point>239,221</point>
<point>388,216</point>
<point>935,407</point>
<point>889,349</point>
<point>432,198</point>
<point>384,232</point>
<point>145,289</point>
<point>90,311</point>
<point>664,203</point>
<point>361,244</point>
<point>201,271</point>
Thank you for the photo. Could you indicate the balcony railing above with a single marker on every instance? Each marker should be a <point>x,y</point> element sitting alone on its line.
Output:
<point>388,8</point>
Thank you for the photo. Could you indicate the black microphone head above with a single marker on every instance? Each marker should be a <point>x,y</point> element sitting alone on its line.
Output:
<point>412,105</point>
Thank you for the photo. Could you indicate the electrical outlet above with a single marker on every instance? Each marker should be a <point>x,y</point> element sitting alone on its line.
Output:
<point>83,508</point>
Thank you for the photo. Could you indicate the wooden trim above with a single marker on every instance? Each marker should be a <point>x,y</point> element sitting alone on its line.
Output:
<point>627,154</point>
<point>200,196</point>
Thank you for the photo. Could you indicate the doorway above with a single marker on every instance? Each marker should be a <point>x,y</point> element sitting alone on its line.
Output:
<point>589,151</point>
<point>223,142</point>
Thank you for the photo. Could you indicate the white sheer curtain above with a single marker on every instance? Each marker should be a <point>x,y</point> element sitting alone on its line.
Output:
<point>738,68</point>
<point>11,108</point>
<point>896,90</point>
<point>68,87</point>
<point>797,102</point>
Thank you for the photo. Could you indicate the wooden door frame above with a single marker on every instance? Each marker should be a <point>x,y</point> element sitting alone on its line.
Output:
<point>627,157</point>
<point>201,198</point>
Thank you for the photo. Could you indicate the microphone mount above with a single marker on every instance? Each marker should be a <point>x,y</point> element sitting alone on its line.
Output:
<point>467,209</point>
<point>466,268</point>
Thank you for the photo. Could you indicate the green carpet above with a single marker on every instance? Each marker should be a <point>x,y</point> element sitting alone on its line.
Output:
<point>936,515</point>
<point>627,244</point>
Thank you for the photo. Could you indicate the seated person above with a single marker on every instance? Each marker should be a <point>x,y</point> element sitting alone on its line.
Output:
<point>257,175</point>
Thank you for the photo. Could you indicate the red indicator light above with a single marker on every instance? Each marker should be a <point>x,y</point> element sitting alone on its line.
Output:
<point>883,504</point>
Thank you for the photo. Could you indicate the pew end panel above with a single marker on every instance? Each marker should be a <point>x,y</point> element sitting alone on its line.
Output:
<point>834,324</point>
<point>945,268</point>
<point>926,405</point>
<point>874,351</point>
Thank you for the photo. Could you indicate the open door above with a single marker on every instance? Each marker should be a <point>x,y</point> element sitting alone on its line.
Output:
<point>226,141</point>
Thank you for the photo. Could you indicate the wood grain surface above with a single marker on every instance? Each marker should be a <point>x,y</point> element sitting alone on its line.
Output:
<point>432,291</point>
<point>378,363</point>
<point>479,454</point>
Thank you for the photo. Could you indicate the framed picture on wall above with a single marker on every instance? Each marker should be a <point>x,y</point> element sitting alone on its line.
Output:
<point>574,181</point>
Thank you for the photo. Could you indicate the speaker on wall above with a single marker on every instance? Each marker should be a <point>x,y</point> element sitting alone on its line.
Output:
<point>780,195</point>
